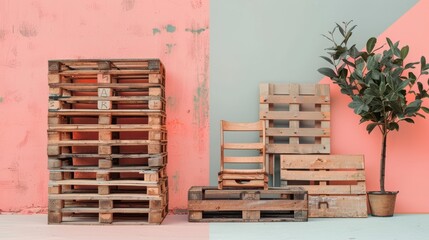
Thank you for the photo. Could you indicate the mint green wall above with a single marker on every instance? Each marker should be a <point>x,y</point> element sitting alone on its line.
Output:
<point>253,41</point>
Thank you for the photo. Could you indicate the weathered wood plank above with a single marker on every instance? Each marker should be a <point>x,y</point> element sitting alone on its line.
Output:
<point>333,189</point>
<point>322,162</point>
<point>246,205</point>
<point>298,132</point>
<point>300,99</point>
<point>337,206</point>
<point>295,115</point>
<point>279,148</point>
<point>358,175</point>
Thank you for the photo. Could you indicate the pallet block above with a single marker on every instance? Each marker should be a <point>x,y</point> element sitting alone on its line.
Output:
<point>335,183</point>
<point>209,204</point>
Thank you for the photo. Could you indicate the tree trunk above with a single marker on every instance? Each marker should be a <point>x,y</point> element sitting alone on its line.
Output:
<point>383,162</point>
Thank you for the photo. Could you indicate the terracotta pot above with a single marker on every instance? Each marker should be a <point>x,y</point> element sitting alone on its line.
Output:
<point>382,204</point>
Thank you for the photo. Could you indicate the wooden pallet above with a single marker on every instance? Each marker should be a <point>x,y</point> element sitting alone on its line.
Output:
<point>114,66</point>
<point>106,96</point>
<point>97,135</point>
<point>114,162</point>
<point>335,183</point>
<point>297,118</point>
<point>84,196</point>
<point>107,209</point>
<point>209,204</point>
<point>108,181</point>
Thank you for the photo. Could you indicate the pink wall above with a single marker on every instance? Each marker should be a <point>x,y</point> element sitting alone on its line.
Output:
<point>407,150</point>
<point>31,32</point>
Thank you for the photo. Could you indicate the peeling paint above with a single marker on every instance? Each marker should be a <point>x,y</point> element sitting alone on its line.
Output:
<point>171,101</point>
<point>127,5</point>
<point>27,30</point>
<point>170,28</point>
<point>169,47</point>
<point>201,101</point>
<point>176,182</point>
<point>156,31</point>
<point>196,4</point>
<point>195,31</point>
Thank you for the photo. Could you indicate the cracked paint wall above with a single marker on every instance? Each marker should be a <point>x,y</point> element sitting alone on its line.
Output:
<point>31,33</point>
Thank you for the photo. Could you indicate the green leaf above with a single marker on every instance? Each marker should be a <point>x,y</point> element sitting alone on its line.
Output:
<point>420,86</point>
<point>390,43</point>
<point>327,72</point>
<point>382,87</point>
<point>353,52</point>
<point>371,63</point>
<point>422,63</point>
<point>349,63</point>
<point>413,107</point>
<point>370,44</point>
<point>425,109</point>
<point>328,60</point>
<point>393,126</point>
<point>341,30</point>
<point>411,65</point>
<point>409,120</point>
<point>404,52</point>
<point>371,127</point>
<point>358,106</point>
<point>403,84</point>
<point>420,115</point>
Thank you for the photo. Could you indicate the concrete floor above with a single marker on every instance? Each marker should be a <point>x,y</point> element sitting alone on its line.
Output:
<point>401,226</point>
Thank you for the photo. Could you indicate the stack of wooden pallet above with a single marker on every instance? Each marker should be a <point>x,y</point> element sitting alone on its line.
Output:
<point>107,142</point>
<point>297,117</point>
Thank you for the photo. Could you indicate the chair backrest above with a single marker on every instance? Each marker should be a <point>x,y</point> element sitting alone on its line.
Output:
<point>259,127</point>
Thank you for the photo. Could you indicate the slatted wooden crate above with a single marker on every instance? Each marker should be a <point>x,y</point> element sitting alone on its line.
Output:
<point>209,204</point>
<point>335,183</point>
<point>107,140</point>
<point>297,118</point>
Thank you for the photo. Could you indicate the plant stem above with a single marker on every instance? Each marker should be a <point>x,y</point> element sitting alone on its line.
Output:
<point>383,160</point>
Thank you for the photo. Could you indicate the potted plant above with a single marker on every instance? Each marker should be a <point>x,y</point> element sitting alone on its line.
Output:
<point>383,89</point>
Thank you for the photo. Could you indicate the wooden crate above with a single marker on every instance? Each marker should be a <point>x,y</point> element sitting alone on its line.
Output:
<point>335,183</point>
<point>297,118</point>
<point>209,204</point>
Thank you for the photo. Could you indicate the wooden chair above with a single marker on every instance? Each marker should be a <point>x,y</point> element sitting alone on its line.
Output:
<point>243,177</point>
